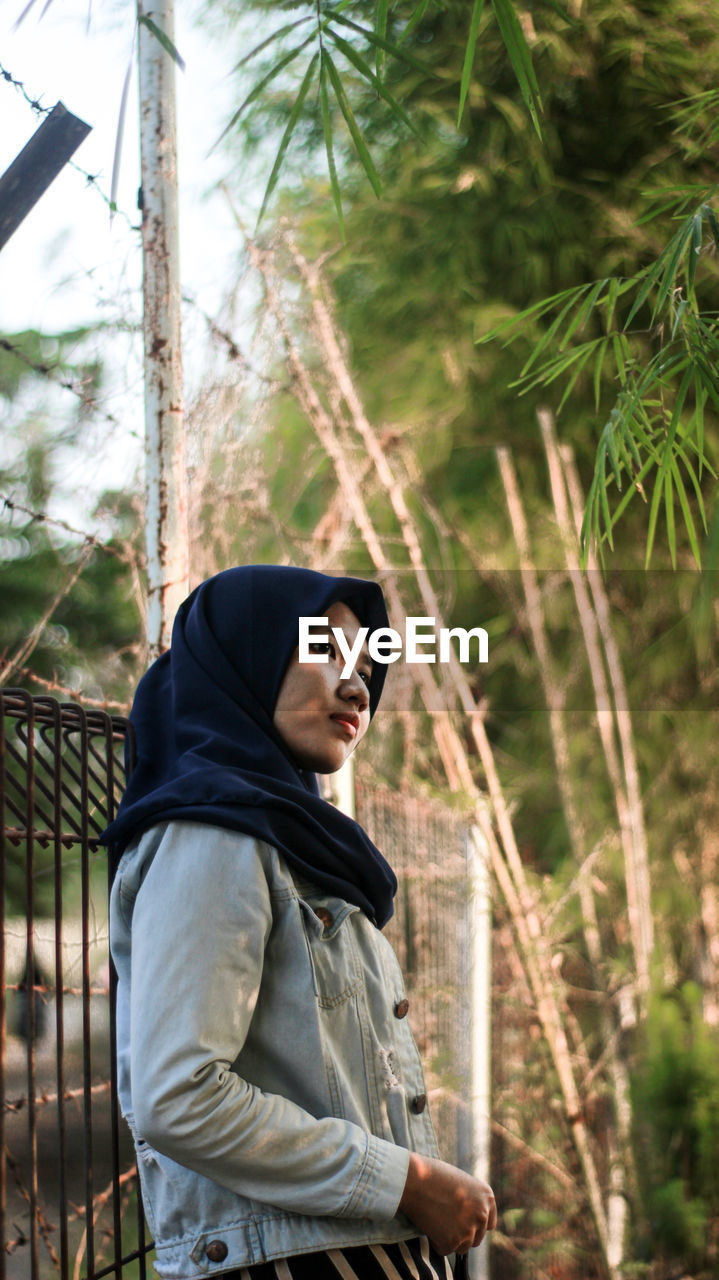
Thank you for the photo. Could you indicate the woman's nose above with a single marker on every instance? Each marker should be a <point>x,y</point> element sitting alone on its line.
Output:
<point>355,689</point>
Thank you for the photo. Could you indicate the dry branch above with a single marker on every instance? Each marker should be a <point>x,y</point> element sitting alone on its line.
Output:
<point>41,1221</point>
<point>30,643</point>
<point>124,1181</point>
<point>45,1099</point>
<point>548,1166</point>
<point>621,707</point>
<point>619,1141</point>
<point>636,904</point>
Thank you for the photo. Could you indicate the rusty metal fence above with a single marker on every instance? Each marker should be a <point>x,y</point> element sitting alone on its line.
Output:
<point>67,1174</point>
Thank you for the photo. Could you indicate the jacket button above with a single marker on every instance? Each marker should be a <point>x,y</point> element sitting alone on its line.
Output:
<point>401,1008</point>
<point>325,916</point>
<point>217,1251</point>
<point>419,1103</point>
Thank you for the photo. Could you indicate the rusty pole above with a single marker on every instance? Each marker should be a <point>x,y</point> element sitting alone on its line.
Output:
<point>165,474</point>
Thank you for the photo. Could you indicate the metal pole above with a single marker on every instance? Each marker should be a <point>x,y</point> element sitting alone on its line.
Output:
<point>165,477</point>
<point>37,165</point>
<point>480,979</point>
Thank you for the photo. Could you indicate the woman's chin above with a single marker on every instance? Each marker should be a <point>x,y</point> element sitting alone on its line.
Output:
<point>323,762</point>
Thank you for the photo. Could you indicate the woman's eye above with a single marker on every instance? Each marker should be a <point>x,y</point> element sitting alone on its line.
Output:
<point>323,646</point>
<point>366,676</point>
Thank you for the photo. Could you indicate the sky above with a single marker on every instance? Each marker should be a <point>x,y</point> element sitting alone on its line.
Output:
<point>69,263</point>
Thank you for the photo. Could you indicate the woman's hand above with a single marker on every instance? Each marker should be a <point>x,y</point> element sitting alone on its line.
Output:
<point>449,1206</point>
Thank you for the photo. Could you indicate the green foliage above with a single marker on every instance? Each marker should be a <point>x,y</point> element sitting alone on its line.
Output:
<point>24,356</point>
<point>82,642</point>
<point>612,216</point>
<point>656,426</point>
<point>676,1095</point>
<point>81,639</point>
<point>361,43</point>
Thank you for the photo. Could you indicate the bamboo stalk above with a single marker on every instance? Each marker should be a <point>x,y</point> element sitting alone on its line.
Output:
<point>709,900</point>
<point>622,714</point>
<point>605,716</point>
<point>618,1073</point>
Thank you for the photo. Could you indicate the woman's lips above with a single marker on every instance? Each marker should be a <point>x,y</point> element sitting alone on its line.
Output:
<point>348,723</point>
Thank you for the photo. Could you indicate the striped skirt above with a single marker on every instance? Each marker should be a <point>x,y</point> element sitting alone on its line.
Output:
<point>407,1260</point>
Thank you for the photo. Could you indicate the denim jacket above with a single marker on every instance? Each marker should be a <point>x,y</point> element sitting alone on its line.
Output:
<point>266,1065</point>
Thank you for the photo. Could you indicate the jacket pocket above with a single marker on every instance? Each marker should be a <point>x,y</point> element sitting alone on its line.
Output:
<point>333,953</point>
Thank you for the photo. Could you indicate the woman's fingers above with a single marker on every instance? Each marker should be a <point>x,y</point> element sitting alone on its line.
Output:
<point>489,1225</point>
<point>451,1207</point>
<point>492,1213</point>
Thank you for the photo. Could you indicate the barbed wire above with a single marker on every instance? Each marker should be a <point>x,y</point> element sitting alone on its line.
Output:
<point>18,84</point>
<point>88,400</point>
<point>89,539</point>
<point>91,179</point>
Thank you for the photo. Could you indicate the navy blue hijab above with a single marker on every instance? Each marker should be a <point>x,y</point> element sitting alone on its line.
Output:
<point>208,750</point>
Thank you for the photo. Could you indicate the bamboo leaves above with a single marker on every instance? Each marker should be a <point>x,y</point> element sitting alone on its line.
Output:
<point>329,147</point>
<point>662,376</point>
<point>162,37</point>
<point>266,80</point>
<point>518,52</point>
<point>642,436</point>
<point>365,70</point>
<point>469,56</point>
<point>289,130</point>
<point>519,56</point>
<point>325,83</point>
<point>331,89</point>
<point>351,122</point>
<point>661,277</point>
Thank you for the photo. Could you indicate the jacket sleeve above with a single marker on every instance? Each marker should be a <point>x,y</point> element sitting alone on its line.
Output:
<point>200,924</point>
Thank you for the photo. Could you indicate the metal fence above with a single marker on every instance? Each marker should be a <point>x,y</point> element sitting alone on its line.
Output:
<point>69,1197</point>
<point>430,931</point>
<point>67,1174</point>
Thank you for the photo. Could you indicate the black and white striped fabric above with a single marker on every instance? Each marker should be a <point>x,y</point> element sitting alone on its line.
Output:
<point>407,1260</point>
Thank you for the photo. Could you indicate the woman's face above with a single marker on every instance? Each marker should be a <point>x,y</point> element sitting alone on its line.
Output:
<point>319,716</point>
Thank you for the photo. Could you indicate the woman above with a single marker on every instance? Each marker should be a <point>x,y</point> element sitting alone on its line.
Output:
<point>266,1067</point>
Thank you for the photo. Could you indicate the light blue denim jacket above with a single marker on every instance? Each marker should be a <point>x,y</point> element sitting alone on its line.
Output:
<point>266,1067</point>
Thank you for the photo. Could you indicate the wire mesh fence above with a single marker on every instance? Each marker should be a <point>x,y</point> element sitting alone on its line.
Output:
<point>69,1199</point>
<point>428,848</point>
<point>67,1175</point>
<point>516,1135</point>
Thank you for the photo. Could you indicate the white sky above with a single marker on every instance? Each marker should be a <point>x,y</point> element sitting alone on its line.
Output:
<point>67,264</point>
